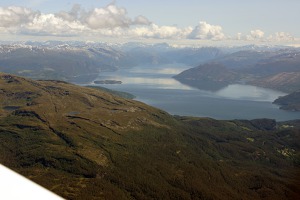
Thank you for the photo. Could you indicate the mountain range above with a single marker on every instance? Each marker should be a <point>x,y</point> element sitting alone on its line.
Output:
<point>81,62</point>
<point>278,70</point>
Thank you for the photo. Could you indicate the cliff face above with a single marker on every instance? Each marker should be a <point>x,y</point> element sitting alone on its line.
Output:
<point>84,143</point>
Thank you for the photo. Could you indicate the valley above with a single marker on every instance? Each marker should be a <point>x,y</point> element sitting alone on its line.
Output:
<point>131,63</point>
<point>84,143</point>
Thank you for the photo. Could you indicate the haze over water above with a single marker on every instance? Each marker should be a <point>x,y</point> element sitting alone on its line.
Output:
<point>154,85</point>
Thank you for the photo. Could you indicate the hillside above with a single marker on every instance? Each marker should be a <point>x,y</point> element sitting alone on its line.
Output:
<point>289,102</point>
<point>83,143</point>
<point>274,69</point>
<point>60,62</point>
<point>283,61</point>
<point>285,81</point>
<point>210,76</point>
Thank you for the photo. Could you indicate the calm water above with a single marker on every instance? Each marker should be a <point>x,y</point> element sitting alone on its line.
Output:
<point>155,86</point>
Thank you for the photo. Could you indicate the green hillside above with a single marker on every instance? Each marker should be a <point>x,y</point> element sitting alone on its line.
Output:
<point>84,143</point>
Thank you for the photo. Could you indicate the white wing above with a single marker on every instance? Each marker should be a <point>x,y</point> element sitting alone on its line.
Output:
<point>14,187</point>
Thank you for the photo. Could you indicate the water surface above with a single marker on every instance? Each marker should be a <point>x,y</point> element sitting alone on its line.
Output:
<point>155,86</point>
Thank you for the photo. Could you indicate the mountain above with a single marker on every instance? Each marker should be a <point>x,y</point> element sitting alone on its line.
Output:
<point>165,54</point>
<point>244,58</point>
<point>61,62</point>
<point>194,56</point>
<point>284,81</point>
<point>274,69</point>
<point>289,102</point>
<point>81,62</point>
<point>210,76</point>
<point>282,61</point>
<point>84,143</point>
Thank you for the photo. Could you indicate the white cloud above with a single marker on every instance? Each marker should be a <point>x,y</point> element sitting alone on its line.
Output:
<point>14,16</point>
<point>109,17</point>
<point>161,32</point>
<point>257,34</point>
<point>205,31</point>
<point>141,20</point>
<point>239,36</point>
<point>281,36</point>
<point>49,24</point>
<point>107,21</point>
<point>153,31</point>
<point>113,21</point>
<point>254,35</point>
<point>72,15</point>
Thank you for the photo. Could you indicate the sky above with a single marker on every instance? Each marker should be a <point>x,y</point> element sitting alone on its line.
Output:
<point>172,21</point>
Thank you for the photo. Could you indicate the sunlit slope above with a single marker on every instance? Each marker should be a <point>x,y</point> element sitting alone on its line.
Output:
<point>84,143</point>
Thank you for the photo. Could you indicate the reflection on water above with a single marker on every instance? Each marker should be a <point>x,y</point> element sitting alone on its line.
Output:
<point>147,76</point>
<point>163,83</point>
<point>169,71</point>
<point>155,86</point>
<point>248,92</point>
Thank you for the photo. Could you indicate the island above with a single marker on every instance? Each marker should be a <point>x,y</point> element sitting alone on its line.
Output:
<point>107,82</point>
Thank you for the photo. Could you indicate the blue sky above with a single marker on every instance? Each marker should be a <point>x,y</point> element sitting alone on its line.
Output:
<point>255,21</point>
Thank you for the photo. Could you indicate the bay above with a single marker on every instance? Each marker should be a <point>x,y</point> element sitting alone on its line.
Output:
<point>154,85</point>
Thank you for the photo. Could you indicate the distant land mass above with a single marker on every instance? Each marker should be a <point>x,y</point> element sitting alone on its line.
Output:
<point>107,82</point>
<point>61,62</point>
<point>81,62</point>
<point>210,76</point>
<point>285,81</point>
<point>278,70</point>
<point>289,102</point>
<point>85,143</point>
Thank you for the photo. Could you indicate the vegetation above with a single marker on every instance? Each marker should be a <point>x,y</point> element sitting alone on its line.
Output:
<point>84,143</point>
<point>125,95</point>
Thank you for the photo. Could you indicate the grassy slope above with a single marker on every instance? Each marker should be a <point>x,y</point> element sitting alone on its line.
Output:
<point>125,95</point>
<point>83,143</point>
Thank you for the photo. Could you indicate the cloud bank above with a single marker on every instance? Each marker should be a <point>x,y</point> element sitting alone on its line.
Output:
<point>113,21</point>
<point>205,31</point>
<point>14,16</point>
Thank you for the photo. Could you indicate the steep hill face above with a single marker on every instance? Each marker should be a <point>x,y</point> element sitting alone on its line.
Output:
<point>83,143</point>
